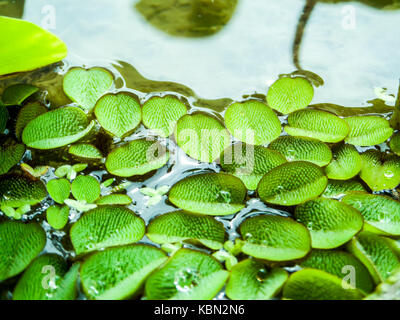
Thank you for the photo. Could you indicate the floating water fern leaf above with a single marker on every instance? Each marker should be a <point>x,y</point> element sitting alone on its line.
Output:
<point>136,158</point>
<point>368,130</point>
<point>16,94</point>
<point>292,183</point>
<point>302,149</point>
<point>118,273</point>
<point>339,188</point>
<point>339,263</point>
<point>252,280</point>
<point>188,275</point>
<point>346,163</point>
<point>317,124</point>
<point>86,188</point>
<point>56,128</point>
<point>9,156</point>
<point>26,46</point>
<point>314,284</point>
<point>85,150</point>
<point>250,163</point>
<point>161,114</point>
<point>395,143</point>
<point>47,278</point>
<point>20,244</point>
<point>290,94</point>
<point>209,193</point>
<point>380,171</point>
<point>118,113</point>
<point>27,114</point>
<point>180,226</point>
<point>106,226</point>
<point>274,238</point>
<point>57,217</point>
<point>121,199</point>
<point>381,214</point>
<point>201,137</point>
<point>85,87</point>
<point>59,190</point>
<point>252,122</point>
<point>331,223</point>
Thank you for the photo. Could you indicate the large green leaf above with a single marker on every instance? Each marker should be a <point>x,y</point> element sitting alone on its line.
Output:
<point>25,46</point>
<point>346,162</point>
<point>86,188</point>
<point>10,156</point>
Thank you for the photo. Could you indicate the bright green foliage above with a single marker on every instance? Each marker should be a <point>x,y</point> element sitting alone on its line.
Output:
<point>85,87</point>
<point>331,223</point>
<point>179,226</point>
<point>4,115</point>
<point>104,227</point>
<point>10,156</point>
<point>209,193</point>
<point>16,94</point>
<point>274,238</point>
<point>292,183</point>
<point>86,188</point>
<point>313,284</point>
<point>59,190</point>
<point>20,244</point>
<point>290,94</point>
<point>201,137</point>
<point>368,130</point>
<point>121,199</point>
<point>56,128</point>
<point>160,114</point>
<point>252,280</point>
<point>188,275</point>
<point>376,253</point>
<point>118,273</point>
<point>346,162</point>
<point>339,264</point>
<point>138,157</point>
<point>380,171</point>
<point>118,113</point>
<point>395,143</point>
<point>85,150</point>
<point>252,122</point>
<point>39,47</point>
<point>57,217</point>
<point>321,125</point>
<point>17,190</point>
<point>339,188</point>
<point>303,149</point>
<point>381,214</point>
<point>27,114</point>
<point>47,278</point>
<point>250,163</point>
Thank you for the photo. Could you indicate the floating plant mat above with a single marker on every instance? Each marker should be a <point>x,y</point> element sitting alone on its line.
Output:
<point>144,190</point>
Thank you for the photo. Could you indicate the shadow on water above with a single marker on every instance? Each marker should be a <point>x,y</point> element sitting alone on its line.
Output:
<point>14,9</point>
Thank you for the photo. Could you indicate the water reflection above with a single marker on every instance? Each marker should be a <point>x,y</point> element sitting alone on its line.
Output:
<point>187,18</point>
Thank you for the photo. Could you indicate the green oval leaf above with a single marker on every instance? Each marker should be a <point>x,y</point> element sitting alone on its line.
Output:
<point>138,157</point>
<point>180,226</point>
<point>317,124</point>
<point>57,217</point>
<point>161,114</point>
<point>368,130</point>
<point>118,273</point>
<point>85,87</point>
<point>16,94</point>
<point>252,280</point>
<point>303,149</point>
<point>27,46</point>
<point>339,188</point>
<point>10,156</point>
<point>395,143</point>
<point>27,114</point>
<point>209,193</point>
<point>20,244</point>
<point>381,214</point>
<point>104,227</point>
<point>290,94</point>
<point>188,275</point>
<point>86,188</point>
<point>59,190</point>
<point>346,163</point>
<point>274,238</point>
<point>252,122</point>
<point>121,199</point>
<point>201,137</point>
<point>85,150</point>
<point>292,183</point>
<point>118,113</point>
<point>56,128</point>
<point>331,223</point>
<point>249,163</point>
